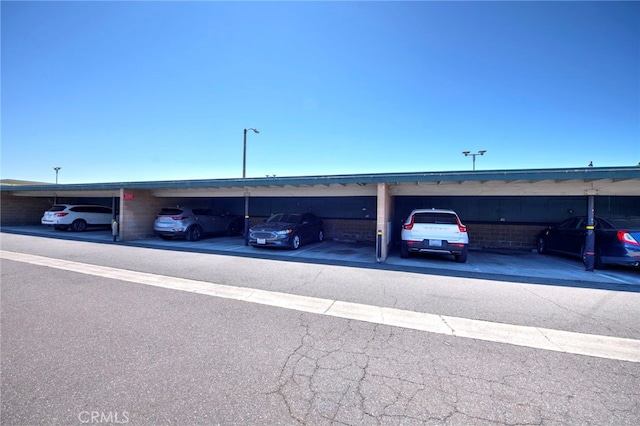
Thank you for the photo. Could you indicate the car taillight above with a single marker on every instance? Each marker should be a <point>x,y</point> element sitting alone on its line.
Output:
<point>627,238</point>
<point>461,227</point>
<point>61,214</point>
<point>408,226</point>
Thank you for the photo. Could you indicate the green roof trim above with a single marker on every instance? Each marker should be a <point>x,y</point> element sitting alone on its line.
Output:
<point>585,173</point>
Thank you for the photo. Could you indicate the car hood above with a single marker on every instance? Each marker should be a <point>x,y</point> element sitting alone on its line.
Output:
<point>272,226</point>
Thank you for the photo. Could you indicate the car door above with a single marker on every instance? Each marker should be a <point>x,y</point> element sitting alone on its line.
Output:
<point>556,238</point>
<point>206,219</point>
<point>305,227</point>
<point>216,222</point>
<point>82,213</point>
<point>220,222</point>
<point>574,237</point>
<point>312,225</point>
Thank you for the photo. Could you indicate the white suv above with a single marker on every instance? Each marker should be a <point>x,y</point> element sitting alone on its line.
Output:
<point>77,217</point>
<point>434,231</point>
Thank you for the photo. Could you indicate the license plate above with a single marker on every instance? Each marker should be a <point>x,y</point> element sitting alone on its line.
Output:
<point>435,243</point>
<point>262,241</point>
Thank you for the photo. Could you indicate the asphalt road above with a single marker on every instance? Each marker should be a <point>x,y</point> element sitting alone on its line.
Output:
<point>109,334</point>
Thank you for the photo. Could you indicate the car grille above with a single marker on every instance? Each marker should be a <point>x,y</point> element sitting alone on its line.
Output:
<point>265,235</point>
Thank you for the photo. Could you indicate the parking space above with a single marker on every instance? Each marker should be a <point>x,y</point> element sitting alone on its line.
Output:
<point>516,266</point>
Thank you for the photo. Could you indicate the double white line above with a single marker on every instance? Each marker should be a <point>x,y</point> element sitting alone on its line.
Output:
<point>533,337</point>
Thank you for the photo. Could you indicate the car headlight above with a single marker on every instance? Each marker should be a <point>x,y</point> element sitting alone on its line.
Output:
<point>284,232</point>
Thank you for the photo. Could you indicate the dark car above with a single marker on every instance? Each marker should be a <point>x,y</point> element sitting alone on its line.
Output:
<point>617,239</point>
<point>287,230</point>
<point>194,223</point>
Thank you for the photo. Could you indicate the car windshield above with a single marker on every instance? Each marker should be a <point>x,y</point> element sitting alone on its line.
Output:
<point>284,218</point>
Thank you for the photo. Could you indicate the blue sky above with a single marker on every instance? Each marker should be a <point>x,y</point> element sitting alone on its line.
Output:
<point>137,91</point>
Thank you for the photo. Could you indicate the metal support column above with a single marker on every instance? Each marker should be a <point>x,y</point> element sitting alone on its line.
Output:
<point>590,239</point>
<point>246,218</point>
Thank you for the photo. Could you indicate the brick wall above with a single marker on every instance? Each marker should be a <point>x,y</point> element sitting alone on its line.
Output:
<point>139,211</point>
<point>22,211</point>
<point>361,230</point>
<point>503,236</point>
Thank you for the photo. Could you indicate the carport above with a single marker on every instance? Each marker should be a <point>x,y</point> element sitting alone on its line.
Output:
<point>502,208</point>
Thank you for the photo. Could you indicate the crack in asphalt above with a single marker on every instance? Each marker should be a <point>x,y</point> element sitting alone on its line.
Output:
<point>346,372</point>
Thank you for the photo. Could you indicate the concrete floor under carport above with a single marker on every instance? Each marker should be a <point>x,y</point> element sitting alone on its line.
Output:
<point>510,266</point>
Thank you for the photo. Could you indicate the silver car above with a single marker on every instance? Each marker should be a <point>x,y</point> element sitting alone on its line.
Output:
<point>194,223</point>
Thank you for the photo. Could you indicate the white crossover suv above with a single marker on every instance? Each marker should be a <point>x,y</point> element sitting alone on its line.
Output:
<point>77,217</point>
<point>434,231</point>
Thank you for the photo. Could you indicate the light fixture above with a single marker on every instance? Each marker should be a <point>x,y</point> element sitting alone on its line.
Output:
<point>467,153</point>
<point>246,193</point>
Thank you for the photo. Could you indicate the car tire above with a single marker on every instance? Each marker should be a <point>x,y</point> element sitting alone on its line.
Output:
<point>79,225</point>
<point>195,233</point>
<point>404,251</point>
<point>232,229</point>
<point>295,242</point>
<point>321,235</point>
<point>542,246</point>
<point>462,257</point>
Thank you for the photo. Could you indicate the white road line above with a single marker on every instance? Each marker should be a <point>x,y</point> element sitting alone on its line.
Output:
<point>533,337</point>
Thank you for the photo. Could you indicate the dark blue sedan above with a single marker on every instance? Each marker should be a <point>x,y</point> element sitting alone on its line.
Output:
<point>287,230</point>
<point>617,239</point>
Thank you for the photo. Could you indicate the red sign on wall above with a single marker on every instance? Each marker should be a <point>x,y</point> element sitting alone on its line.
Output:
<point>128,196</point>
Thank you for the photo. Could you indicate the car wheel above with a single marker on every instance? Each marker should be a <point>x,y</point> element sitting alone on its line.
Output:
<point>295,242</point>
<point>232,229</point>
<point>404,251</point>
<point>195,233</point>
<point>321,235</point>
<point>462,257</point>
<point>79,225</point>
<point>542,247</point>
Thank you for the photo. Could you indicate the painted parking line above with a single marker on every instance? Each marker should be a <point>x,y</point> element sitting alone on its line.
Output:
<point>533,337</point>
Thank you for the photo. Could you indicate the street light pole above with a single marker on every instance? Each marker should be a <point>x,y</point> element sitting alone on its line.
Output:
<point>467,153</point>
<point>246,193</point>
<point>57,169</point>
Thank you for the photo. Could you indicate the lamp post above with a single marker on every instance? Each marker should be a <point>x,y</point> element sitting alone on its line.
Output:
<point>57,169</point>
<point>467,153</point>
<point>246,193</point>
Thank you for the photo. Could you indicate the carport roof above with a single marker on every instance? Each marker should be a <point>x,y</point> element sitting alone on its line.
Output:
<point>575,181</point>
